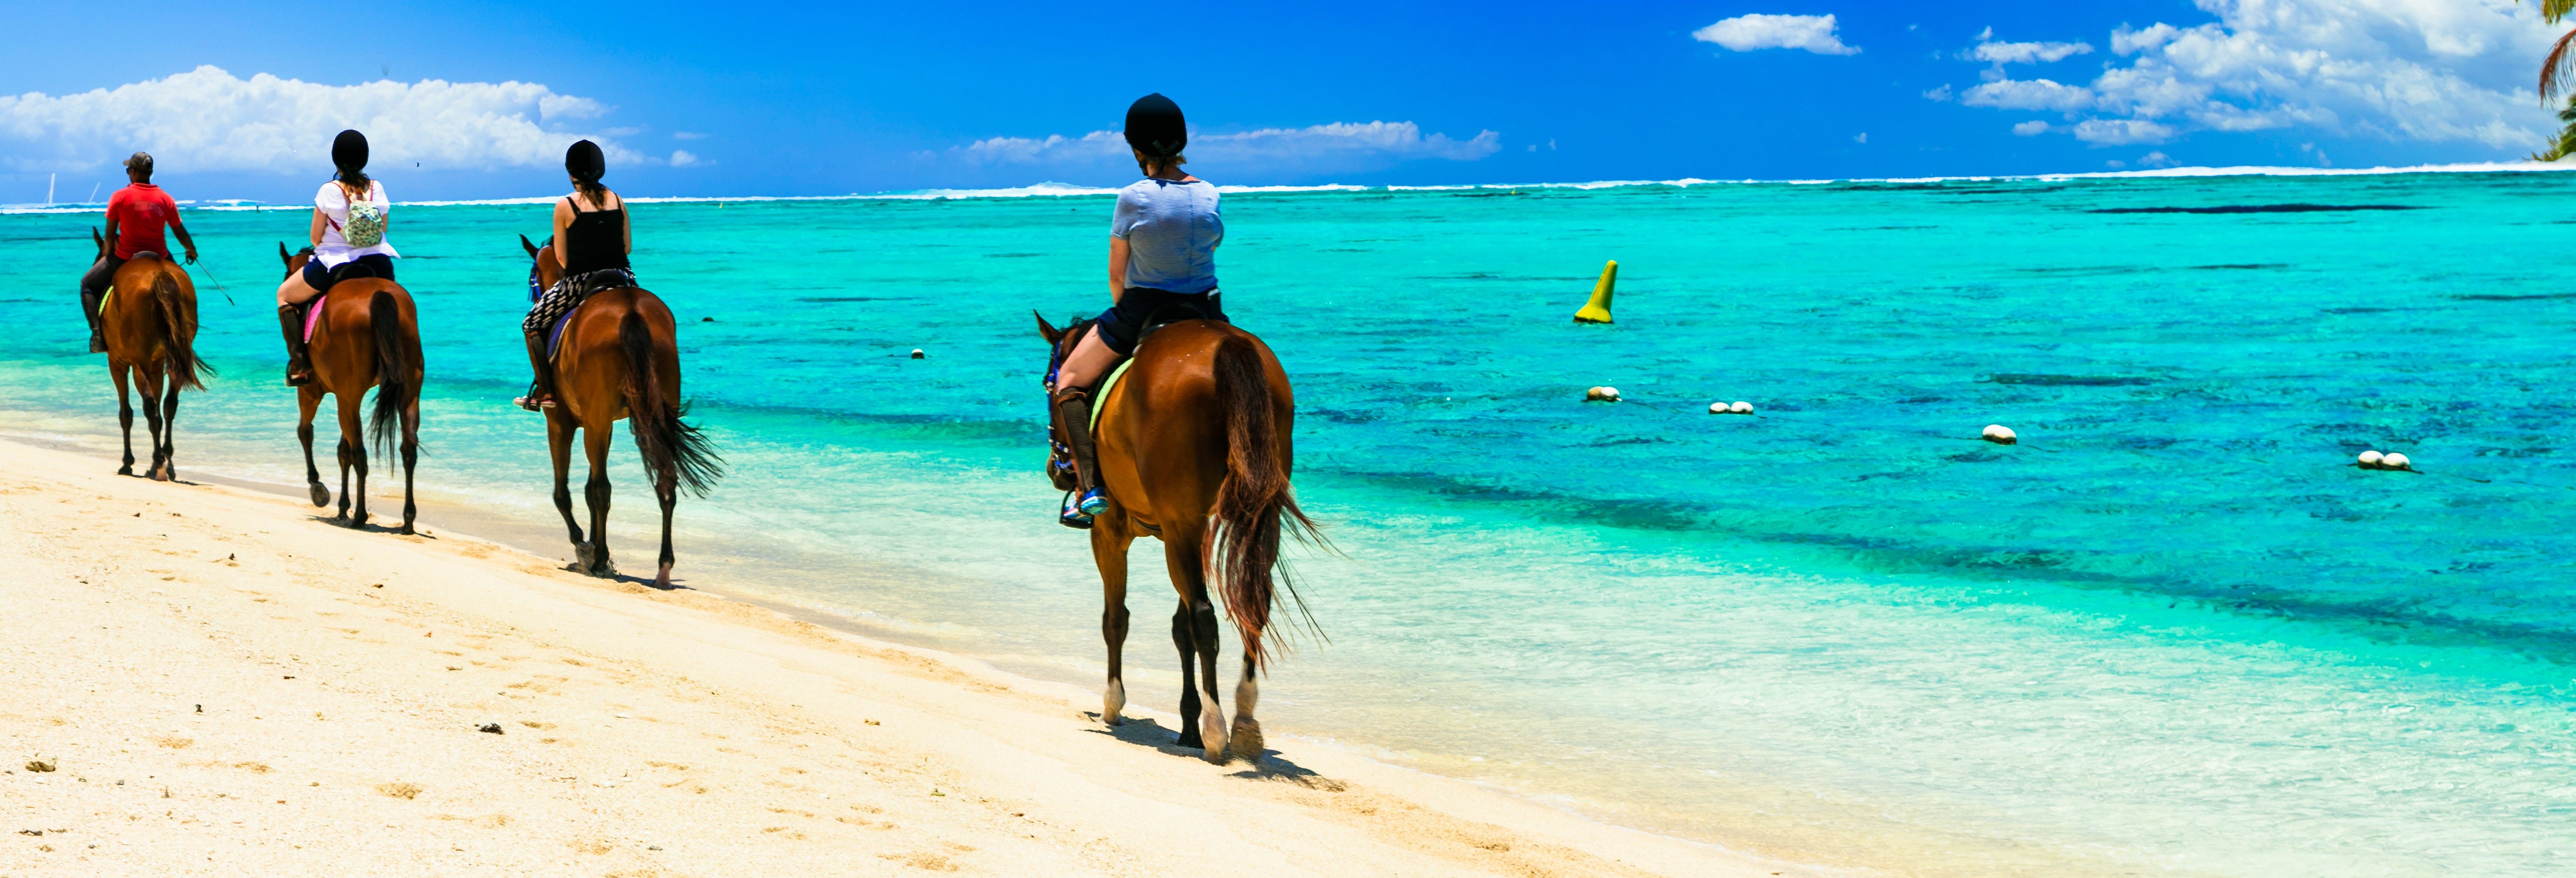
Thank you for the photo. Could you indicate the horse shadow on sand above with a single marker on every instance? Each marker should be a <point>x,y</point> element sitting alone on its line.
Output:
<point>1144,731</point>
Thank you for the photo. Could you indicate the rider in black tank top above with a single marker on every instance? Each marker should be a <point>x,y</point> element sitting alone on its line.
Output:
<point>597,239</point>
<point>590,242</point>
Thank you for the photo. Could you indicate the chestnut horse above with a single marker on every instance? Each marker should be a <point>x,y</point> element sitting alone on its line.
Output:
<point>367,337</point>
<point>150,321</point>
<point>620,358</point>
<point>1194,450</point>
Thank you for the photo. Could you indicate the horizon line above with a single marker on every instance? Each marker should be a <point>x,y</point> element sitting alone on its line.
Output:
<point>1050,189</point>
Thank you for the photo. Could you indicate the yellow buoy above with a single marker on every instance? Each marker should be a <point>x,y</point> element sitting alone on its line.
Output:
<point>1598,310</point>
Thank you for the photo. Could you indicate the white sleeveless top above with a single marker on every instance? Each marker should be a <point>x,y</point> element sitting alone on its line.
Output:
<point>334,204</point>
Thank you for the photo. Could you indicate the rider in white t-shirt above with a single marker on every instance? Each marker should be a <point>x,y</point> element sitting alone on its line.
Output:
<point>349,218</point>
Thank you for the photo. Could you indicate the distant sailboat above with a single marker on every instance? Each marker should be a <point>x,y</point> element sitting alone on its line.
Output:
<point>49,189</point>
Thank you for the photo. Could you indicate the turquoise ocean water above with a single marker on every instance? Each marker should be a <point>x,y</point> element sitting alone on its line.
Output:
<point>2174,632</point>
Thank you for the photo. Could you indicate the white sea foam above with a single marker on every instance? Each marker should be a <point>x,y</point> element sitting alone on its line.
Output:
<point>1068,190</point>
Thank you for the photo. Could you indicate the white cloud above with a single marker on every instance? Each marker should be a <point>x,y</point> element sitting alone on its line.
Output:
<point>2032,128</point>
<point>1336,142</point>
<point>2027,53</point>
<point>1862,137</point>
<point>681,158</point>
<point>2156,159</point>
<point>2402,70</point>
<point>1746,33</point>
<point>687,135</point>
<point>2029,94</point>
<point>207,119</point>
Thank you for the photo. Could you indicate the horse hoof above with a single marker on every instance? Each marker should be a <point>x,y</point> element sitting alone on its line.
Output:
<point>1247,739</point>
<point>1113,700</point>
<point>321,496</point>
<point>1212,737</point>
<point>125,470</point>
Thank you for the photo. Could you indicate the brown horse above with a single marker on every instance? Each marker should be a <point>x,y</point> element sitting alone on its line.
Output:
<point>620,359</point>
<point>367,337</point>
<point>151,326</point>
<point>1194,450</point>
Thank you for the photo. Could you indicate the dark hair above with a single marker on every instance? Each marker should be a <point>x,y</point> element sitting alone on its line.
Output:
<point>140,162</point>
<point>349,154</point>
<point>587,164</point>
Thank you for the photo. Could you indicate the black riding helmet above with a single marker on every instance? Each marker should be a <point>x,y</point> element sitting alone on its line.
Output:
<point>349,151</point>
<point>585,162</point>
<point>1155,128</point>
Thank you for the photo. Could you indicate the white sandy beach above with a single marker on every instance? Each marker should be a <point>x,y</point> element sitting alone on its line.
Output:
<point>225,684</point>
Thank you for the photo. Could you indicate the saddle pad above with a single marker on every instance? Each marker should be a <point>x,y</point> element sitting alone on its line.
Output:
<point>313,316</point>
<point>104,298</point>
<point>554,334</point>
<point>1102,396</point>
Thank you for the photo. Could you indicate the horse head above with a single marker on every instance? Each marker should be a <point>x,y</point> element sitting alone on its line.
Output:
<point>547,269</point>
<point>294,261</point>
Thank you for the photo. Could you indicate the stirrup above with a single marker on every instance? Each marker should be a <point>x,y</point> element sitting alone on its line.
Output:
<point>1072,516</point>
<point>298,378</point>
<point>1092,503</point>
<point>537,400</point>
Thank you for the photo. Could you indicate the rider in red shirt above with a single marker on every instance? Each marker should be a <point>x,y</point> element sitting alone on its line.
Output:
<point>135,217</point>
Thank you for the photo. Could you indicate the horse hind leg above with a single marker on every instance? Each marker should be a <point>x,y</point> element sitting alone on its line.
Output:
<point>1187,642</point>
<point>170,431</point>
<point>410,457</point>
<point>150,385</point>
<point>595,443</point>
<point>666,488</point>
<point>353,456</point>
<point>1247,731</point>
<point>1212,727</point>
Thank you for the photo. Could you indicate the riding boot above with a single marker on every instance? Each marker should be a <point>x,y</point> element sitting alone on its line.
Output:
<point>97,329</point>
<point>299,360</point>
<point>1073,409</point>
<point>541,392</point>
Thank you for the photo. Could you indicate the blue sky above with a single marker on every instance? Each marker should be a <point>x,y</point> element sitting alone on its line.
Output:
<point>799,99</point>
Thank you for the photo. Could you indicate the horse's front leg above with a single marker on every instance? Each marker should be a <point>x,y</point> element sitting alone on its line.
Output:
<point>353,456</point>
<point>1194,632</point>
<point>559,431</point>
<point>595,443</point>
<point>149,385</point>
<point>124,412</point>
<point>308,401</point>
<point>1109,542</point>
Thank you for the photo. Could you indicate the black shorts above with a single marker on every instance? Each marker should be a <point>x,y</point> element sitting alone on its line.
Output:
<point>380,265</point>
<point>1121,324</point>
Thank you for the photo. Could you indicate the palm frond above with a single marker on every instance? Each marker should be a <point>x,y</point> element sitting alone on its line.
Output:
<point>2560,65</point>
<point>2553,10</point>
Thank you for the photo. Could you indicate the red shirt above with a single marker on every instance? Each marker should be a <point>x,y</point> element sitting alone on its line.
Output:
<point>141,211</point>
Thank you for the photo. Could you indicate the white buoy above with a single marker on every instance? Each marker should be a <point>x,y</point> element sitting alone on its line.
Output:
<point>2394,460</point>
<point>1741,407</point>
<point>1999,434</point>
<point>1601,394</point>
<point>1718,408</point>
<point>2370,460</point>
<point>916,354</point>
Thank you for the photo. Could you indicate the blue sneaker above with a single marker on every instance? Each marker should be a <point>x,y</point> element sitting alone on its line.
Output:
<point>1092,503</point>
<point>1073,516</point>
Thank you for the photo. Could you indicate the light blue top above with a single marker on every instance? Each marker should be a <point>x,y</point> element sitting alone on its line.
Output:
<point>1172,230</point>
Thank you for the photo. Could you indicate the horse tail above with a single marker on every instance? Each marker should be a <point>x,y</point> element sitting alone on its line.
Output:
<point>178,334</point>
<point>397,356</point>
<point>1254,504</point>
<point>671,447</point>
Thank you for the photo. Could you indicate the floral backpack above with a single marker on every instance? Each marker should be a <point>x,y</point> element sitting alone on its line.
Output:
<point>366,226</point>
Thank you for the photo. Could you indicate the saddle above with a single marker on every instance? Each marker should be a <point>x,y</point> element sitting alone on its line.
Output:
<point>581,286</point>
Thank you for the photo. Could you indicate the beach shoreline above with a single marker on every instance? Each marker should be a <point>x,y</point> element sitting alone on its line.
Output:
<point>346,677</point>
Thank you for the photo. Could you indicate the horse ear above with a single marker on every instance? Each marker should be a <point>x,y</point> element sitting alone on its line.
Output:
<point>98,239</point>
<point>1052,334</point>
<point>283,256</point>
<point>525,244</point>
